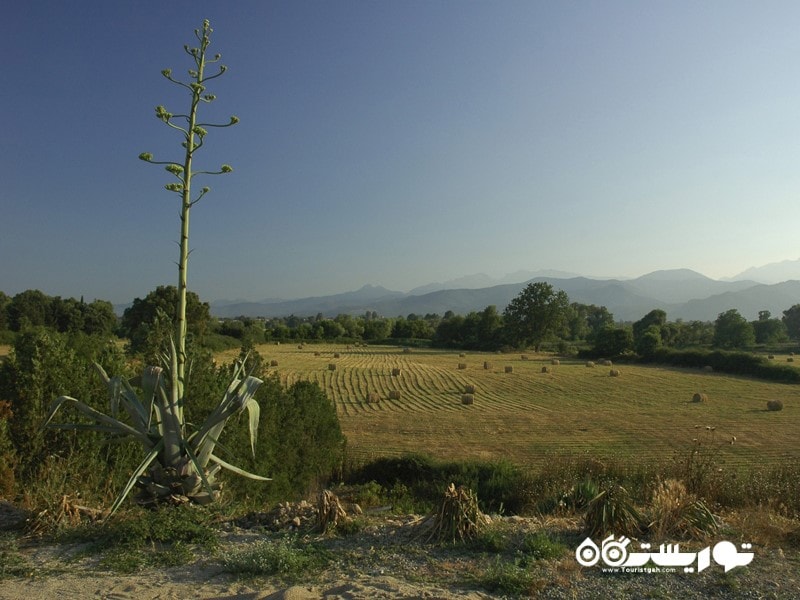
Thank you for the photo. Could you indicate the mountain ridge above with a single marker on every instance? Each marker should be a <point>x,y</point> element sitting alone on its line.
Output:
<point>682,293</point>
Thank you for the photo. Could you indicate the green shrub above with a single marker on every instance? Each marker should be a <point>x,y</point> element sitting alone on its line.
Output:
<point>285,558</point>
<point>501,485</point>
<point>301,444</point>
<point>508,578</point>
<point>12,562</point>
<point>139,538</point>
<point>735,363</point>
<point>540,546</point>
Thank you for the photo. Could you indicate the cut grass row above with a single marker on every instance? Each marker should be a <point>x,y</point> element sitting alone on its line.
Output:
<point>528,416</point>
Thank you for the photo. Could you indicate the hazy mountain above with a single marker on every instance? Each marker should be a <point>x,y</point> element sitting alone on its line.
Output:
<point>682,293</point>
<point>777,272</point>
<point>347,302</point>
<point>775,298</point>
<point>675,286</point>
<point>481,280</point>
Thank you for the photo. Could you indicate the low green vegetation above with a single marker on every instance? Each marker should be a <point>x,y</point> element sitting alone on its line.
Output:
<point>137,538</point>
<point>286,558</point>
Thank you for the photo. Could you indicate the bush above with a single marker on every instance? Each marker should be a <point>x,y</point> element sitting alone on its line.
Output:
<point>44,365</point>
<point>300,443</point>
<point>284,558</point>
<point>501,486</point>
<point>736,363</point>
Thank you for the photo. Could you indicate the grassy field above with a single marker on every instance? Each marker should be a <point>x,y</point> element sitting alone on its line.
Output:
<point>527,416</point>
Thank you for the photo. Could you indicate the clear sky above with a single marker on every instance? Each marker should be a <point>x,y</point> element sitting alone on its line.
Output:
<point>399,142</point>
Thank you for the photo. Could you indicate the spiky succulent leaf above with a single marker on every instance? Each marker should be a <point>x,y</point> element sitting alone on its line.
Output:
<point>140,470</point>
<point>236,399</point>
<point>237,470</point>
<point>103,420</point>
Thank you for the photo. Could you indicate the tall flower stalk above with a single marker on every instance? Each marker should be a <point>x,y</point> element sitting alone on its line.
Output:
<point>179,465</point>
<point>194,135</point>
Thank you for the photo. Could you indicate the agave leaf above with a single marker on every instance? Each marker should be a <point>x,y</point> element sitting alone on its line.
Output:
<point>253,413</point>
<point>151,382</point>
<point>116,424</point>
<point>236,399</point>
<point>200,471</point>
<point>127,396</point>
<point>169,428</point>
<point>237,470</point>
<point>143,466</point>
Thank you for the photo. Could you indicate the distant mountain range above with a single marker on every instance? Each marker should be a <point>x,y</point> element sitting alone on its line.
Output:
<point>682,293</point>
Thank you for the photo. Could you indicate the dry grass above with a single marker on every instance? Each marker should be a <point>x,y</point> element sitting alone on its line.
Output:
<point>529,417</point>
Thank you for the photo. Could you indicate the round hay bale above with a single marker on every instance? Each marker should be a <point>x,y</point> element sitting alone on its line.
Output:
<point>487,365</point>
<point>462,366</point>
<point>395,372</point>
<point>606,363</point>
<point>774,405</point>
<point>614,373</point>
<point>790,359</point>
<point>406,350</point>
<point>317,354</point>
<point>336,355</point>
<point>791,353</point>
<point>708,369</point>
<point>300,347</point>
<point>461,355</point>
<point>771,357</point>
<point>469,389</point>
<point>524,357</point>
<point>394,394</point>
<point>331,367</point>
<point>590,364</point>
<point>555,361</point>
<point>273,363</point>
<point>373,398</point>
<point>467,399</point>
<point>509,369</point>
<point>545,369</point>
<point>700,397</point>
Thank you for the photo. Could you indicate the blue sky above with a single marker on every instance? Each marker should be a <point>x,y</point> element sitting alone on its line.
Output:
<point>398,143</point>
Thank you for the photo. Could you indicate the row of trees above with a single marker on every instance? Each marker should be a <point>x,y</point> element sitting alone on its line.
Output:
<point>33,308</point>
<point>537,315</point>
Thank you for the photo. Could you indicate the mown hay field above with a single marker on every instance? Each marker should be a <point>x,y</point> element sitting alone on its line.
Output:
<point>528,416</point>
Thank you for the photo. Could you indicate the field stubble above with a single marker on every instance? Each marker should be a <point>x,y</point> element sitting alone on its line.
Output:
<point>529,417</point>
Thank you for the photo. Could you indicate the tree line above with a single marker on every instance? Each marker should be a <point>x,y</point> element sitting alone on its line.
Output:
<point>539,315</point>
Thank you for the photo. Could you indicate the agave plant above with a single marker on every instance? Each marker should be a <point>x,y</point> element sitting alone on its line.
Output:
<point>179,463</point>
<point>176,462</point>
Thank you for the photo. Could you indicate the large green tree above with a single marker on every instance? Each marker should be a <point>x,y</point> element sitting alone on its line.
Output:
<point>536,313</point>
<point>613,341</point>
<point>655,318</point>
<point>791,318</point>
<point>769,330</point>
<point>149,321</point>
<point>731,330</point>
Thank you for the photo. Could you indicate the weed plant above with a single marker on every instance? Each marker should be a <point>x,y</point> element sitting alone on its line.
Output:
<point>12,563</point>
<point>138,538</point>
<point>540,546</point>
<point>512,578</point>
<point>285,558</point>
